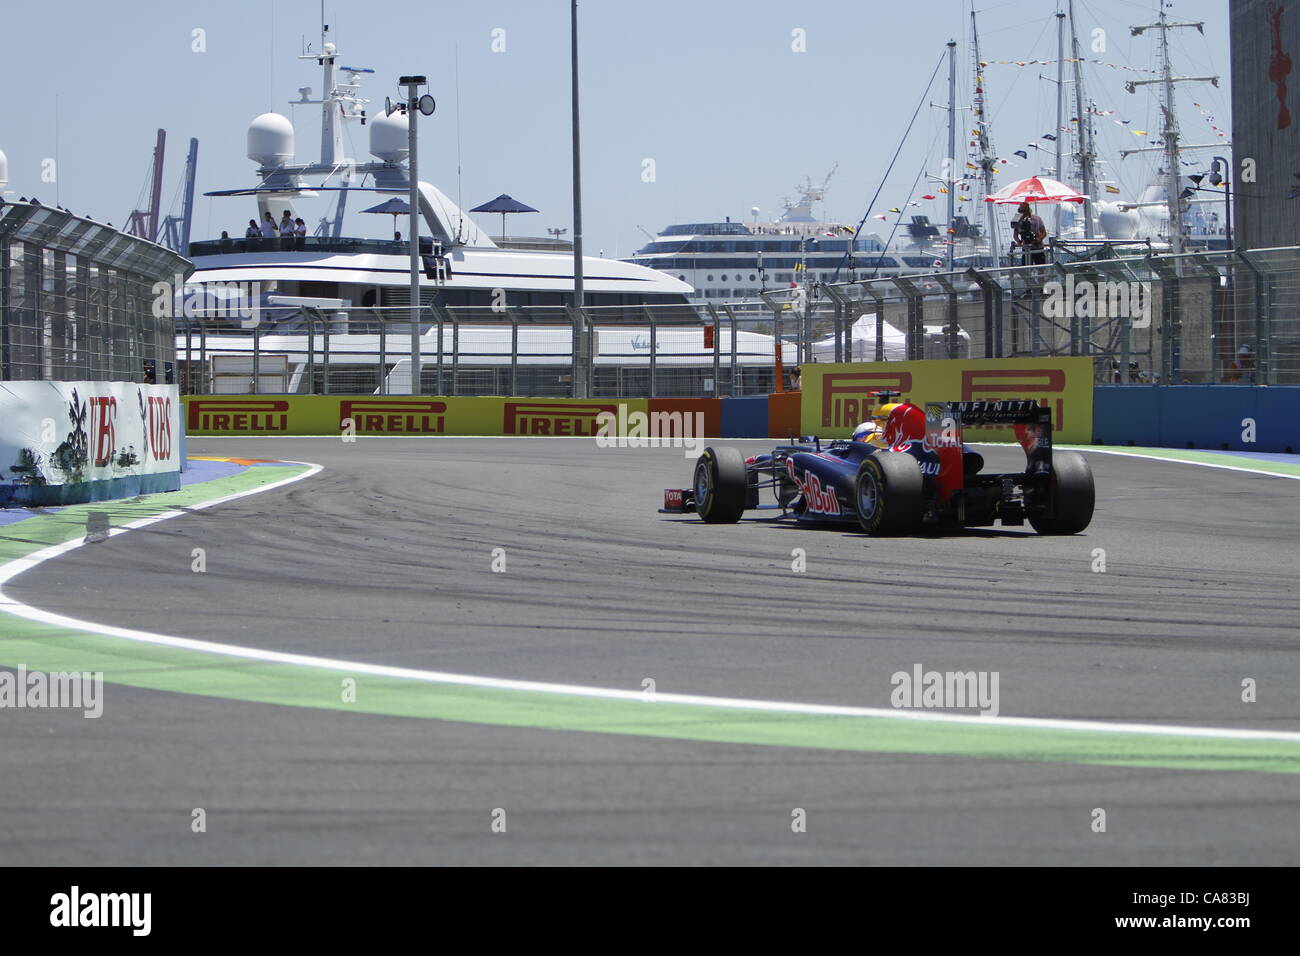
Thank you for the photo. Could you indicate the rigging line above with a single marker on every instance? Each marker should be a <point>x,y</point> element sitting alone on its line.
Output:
<point>460,193</point>
<point>1018,74</point>
<point>898,222</point>
<point>879,189</point>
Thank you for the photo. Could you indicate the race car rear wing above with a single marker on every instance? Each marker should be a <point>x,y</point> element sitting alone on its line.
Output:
<point>1014,412</point>
<point>1031,422</point>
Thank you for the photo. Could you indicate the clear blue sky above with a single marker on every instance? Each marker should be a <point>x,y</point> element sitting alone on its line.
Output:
<point>711,90</point>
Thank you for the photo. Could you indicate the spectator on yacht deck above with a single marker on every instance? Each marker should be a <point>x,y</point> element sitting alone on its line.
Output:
<point>299,234</point>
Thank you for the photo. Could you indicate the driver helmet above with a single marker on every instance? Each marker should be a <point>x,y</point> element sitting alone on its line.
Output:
<point>874,427</point>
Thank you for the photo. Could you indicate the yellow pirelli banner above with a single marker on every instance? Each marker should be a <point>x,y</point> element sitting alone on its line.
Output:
<point>837,397</point>
<point>396,415</point>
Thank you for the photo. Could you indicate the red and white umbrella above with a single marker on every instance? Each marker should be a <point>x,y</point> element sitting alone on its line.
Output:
<point>1035,189</point>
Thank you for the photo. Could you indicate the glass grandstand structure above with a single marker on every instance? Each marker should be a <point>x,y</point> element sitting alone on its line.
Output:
<point>77,300</point>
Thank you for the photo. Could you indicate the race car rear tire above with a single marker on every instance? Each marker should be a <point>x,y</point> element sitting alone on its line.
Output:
<point>721,485</point>
<point>889,493</point>
<point>1071,496</point>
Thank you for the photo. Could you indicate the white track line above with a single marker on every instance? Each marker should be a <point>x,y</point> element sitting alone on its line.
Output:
<point>1178,461</point>
<point>12,569</point>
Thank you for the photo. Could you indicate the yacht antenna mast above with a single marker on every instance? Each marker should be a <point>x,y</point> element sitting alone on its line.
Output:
<point>985,140</point>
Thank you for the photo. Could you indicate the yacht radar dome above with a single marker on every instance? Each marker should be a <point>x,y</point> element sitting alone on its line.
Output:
<point>388,137</point>
<point>270,140</point>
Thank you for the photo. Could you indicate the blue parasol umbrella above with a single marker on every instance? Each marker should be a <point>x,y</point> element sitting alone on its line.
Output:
<point>503,204</point>
<point>394,207</point>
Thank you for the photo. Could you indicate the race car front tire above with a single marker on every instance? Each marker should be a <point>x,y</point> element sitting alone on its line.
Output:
<point>721,485</point>
<point>1071,496</point>
<point>889,493</point>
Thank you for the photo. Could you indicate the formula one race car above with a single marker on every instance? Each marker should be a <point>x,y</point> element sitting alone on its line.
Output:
<point>906,471</point>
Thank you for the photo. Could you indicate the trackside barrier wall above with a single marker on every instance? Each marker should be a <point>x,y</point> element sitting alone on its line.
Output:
<point>744,417</point>
<point>401,415</point>
<point>710,408</point>
<point>836,397</point>
<point>72,442</point>
<point>1214,417</point>
<point>784,410</point>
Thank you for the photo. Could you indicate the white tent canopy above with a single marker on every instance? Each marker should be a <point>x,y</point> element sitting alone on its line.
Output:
<point>862,343</point>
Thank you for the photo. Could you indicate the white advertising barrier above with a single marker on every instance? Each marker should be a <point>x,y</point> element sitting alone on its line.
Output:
<point>70,442</point>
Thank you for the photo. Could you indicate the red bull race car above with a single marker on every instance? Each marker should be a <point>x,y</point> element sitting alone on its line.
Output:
<point>905,471</point>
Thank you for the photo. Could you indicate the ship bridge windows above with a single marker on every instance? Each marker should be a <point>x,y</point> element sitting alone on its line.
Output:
<point>706,229</point>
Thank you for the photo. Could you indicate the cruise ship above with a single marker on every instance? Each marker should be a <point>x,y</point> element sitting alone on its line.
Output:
<point>734,261</point>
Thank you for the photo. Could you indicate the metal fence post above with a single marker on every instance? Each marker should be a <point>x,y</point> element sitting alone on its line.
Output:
<point>311,350</point>
<point>257,360</point>
<point>869,287</point>
<point>455,351</point>
<point>325,349</point>
<point>514,353</point>
<point>951,326</point>
<point>991,290</point>
<point>1263,315</point>
<point>779,369</point>
<point>438,314</point>
<point>189,354</point>
<point>575,348</point>
<point>804,350</point>
<point>735,327</point>
<point>1170,318</point>
<point>205,380</point>
<point>383,352</point>
<point>717,347</point>
<point>915,317</point>
<point>654,351</point>
<point>841,301</point>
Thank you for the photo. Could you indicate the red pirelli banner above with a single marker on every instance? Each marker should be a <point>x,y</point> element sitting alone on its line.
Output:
<point>400,415</point>
<point>838,397</point>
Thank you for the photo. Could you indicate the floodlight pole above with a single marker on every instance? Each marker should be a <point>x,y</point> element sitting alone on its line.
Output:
<point>581,387</point>
<point>412,85</point>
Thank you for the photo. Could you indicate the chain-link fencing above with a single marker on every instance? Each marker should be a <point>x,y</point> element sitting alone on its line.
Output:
<point>1216,317</point>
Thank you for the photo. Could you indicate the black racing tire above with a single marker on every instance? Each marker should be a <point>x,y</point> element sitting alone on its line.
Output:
<point>889,494</point>
<point>721,485</point>
<point>1071,496</point>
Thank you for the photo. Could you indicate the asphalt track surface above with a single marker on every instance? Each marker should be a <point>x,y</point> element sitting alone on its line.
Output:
<point>385,557</point>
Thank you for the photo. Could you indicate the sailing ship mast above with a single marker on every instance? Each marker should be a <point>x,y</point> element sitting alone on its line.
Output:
<point>951,236</point>
<point>1083,142</point>
<point>985,140</point>
<point>1171,147</point>
<point>1060,107</point>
